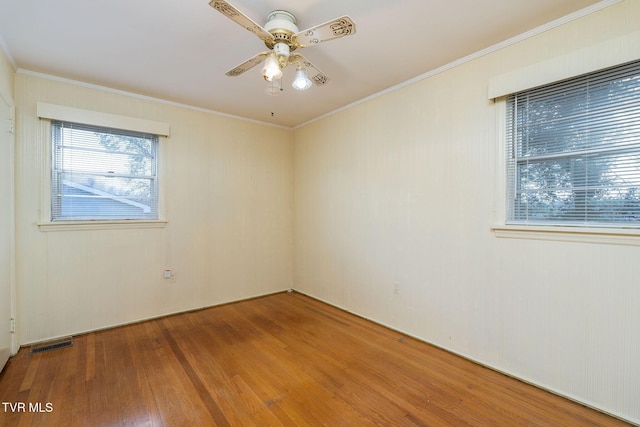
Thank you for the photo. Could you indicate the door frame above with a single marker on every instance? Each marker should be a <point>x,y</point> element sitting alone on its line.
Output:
<point>8,100</point>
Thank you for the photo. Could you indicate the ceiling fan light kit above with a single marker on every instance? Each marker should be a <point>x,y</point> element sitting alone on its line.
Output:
<point>302,81</point>
<point>274,87</point>
<point>271,69</point>
<point>281,36</point>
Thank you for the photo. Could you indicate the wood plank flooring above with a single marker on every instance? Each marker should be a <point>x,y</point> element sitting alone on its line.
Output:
<point>284,359</point>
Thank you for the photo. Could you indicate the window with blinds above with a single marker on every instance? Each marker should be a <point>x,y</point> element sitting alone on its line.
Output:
<point>573,151</point>
<point>103,174</point>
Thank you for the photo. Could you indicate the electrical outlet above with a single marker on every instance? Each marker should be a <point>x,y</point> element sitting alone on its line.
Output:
<point>396,288</point>
<point>169,276</point>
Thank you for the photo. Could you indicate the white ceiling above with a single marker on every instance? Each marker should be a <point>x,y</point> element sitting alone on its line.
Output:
<point>179,50</point>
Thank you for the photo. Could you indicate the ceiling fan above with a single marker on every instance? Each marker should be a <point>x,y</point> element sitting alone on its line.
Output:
<point>281,36</point>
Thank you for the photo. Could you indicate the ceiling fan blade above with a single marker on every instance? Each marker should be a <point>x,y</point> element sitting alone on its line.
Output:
<point>333,29</point>
<point>240,18</point>
<point>247,65</point>
<point>315,75</point>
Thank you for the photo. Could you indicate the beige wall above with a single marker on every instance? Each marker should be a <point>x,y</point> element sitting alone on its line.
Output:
<point>6,76</point>
<point>8,342</point>
<point>401,192</point>
<point>397,193</point>
<point>227,187</point>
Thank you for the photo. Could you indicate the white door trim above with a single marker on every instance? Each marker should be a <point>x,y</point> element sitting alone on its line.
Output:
<point>8,101</point>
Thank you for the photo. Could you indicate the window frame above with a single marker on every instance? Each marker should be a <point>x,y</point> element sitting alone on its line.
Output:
<point>49,112</point>
<point>580,134</point>
<point>593,233</point>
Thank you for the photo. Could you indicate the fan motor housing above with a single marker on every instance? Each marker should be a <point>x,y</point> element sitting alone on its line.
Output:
<point>282,25</point>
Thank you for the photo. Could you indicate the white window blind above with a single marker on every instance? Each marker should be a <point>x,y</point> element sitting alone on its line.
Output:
<point>103,174</point>
<point>573,151</point>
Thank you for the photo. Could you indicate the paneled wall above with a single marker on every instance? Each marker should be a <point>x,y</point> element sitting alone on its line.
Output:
<point>384,209</point>
<point>8,341</point>
<point>227,195</point>
<point>395,200</point>
<point>7,75</point>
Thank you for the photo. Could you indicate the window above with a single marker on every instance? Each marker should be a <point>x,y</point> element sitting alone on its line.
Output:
<point>573,151</point>
<point>101,173</point>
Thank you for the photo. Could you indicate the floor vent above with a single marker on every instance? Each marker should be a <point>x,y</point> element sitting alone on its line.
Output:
<point>51,345</point>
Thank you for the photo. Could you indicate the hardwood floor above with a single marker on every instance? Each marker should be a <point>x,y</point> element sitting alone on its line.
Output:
<point>284,359</point>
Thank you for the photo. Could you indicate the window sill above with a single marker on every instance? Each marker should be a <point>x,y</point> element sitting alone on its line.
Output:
<point>610,236</point>
<point>100,225</point>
